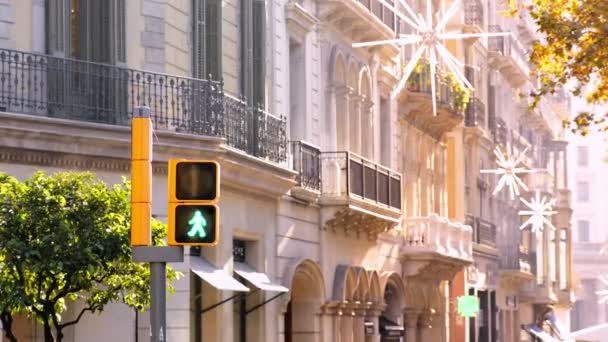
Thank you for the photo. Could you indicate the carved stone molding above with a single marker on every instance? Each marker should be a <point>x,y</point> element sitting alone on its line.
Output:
<point>299,21</point>
<point>71,161</point>
<point>356,223</point>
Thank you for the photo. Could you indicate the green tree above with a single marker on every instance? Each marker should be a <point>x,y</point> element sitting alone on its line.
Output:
<point>574,49</point>
<point>65,237</point>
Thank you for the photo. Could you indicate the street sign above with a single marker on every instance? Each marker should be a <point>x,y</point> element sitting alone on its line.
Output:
<point>468,306</point>
<point>194,188</point>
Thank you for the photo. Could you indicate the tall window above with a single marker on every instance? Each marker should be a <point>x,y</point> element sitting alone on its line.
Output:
<point>87,29</point>
<point>583,231</point>
<point>253,47</point>
<point>583,156</point>
<point>582,191</point>
<point>206,39</point>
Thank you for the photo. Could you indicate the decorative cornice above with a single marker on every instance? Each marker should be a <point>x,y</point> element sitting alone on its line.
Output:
<point>299,21</point>
<point>61,160</point>
<point>355,222</point>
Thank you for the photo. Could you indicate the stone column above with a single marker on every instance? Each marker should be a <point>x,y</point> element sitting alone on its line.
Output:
<point>411,325</point>
<point>358,323</point>
<point>354,133</point>
<point>367,129</point>
<point>372,315</point>
<point>346,323</point>
<point>342,100</point>
<point>424,325</point>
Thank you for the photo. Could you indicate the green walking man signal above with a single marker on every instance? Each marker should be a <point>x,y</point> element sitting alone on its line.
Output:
<point>193,193</point>
<point>198,224</point>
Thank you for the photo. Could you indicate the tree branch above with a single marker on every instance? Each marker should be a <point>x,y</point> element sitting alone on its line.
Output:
<point>67,324</point>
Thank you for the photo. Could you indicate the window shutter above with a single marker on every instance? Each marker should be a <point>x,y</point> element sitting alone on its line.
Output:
<point>259,49</point>
<point>58,27</point>
<point>198,39</point>
<point>120,55</point>
<point>213,38</point>
<point>247,51</point>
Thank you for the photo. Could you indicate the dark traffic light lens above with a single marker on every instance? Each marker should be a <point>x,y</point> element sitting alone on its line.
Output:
<point>196,181</point>
<point>195,223</point>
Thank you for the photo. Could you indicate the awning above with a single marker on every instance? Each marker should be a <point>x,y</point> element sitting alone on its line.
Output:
<point>596,332</point>
<point>389,328</point>
<point>540,333</point>
<point>257,279</point>
<point>214,276</point>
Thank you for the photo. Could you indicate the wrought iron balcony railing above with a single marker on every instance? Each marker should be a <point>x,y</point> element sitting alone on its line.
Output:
<point>307,162</point>
<point>346,175</point>
<point>84,91</point>
<point>475,115</point>
<point>380,11</point>
<point>447,93</point>
<point>484,232</point>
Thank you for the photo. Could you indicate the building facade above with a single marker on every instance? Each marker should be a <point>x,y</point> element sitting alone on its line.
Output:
<point>347,214</point>
<point>587,163</point>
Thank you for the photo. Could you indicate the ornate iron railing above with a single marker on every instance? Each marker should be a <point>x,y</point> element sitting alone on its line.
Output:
<point>484,232</point>
<point>475,113</point>
<point>473,14</point>
<point>447,92</point>
<point>307,162</point>
<point>347,174</point>
<point>84,91</point>
<point>380,11</point>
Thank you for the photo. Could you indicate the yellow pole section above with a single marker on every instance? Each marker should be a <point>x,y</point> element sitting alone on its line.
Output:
<point>141,177</point>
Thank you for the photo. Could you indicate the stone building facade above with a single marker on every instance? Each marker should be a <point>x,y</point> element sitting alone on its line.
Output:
<point>362,211</point>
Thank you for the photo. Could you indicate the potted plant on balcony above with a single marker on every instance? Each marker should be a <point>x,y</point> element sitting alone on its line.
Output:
<point>460,98</point>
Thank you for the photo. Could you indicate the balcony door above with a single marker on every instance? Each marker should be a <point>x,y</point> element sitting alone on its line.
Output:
<point>80,32</point>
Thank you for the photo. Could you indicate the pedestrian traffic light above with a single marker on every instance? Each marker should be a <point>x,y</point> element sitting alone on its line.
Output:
<point>193,193</point>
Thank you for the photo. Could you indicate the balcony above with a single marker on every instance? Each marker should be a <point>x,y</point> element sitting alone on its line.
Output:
<point>473,16</point>
<point>361,20</point>
<point>484,232</point>
<point>516,265</point>
<point>417,103</point>
<point>508,55</point>
<point>541,180</point>
<point>436,235</point>
<point>307,163</point>
<point>83,91</point>
<point>501,132</point>
<point>475,115</point>
<point>359,194</point>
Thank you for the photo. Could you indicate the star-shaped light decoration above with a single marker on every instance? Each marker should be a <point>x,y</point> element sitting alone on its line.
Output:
<point>539,210</point>
<point>603,294</point>
<point>508,169</point>
<point>430,37</point>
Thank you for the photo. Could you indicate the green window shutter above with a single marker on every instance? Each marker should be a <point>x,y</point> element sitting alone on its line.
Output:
<point>213,39</point>
<point>58,27</point>
<point>198,39</point>
<point>259,52</point>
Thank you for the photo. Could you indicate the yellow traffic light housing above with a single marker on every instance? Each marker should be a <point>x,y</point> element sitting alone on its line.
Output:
<point>141,177</point>
<point>194,189</point>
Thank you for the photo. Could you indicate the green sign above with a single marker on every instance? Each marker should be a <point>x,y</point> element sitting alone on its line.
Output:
<point>197,225</point>
<point>468,306</point>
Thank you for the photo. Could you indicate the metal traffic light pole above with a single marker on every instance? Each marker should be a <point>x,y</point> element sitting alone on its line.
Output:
<point>141,232</point>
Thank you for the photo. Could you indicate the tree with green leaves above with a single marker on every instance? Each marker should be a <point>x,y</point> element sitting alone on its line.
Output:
<point>573,51</point>
<point>65,237</point>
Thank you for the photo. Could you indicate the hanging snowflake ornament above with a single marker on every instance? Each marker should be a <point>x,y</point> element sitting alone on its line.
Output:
<point>539,210</point>
<point>509,169</point>
<point>603,294</point>
<point>430,39</point>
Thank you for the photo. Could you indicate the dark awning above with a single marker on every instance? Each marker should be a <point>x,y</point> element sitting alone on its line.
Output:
<point>389,328</point>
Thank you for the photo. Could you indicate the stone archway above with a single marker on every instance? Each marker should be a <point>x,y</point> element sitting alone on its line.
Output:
<point>302,317</point>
